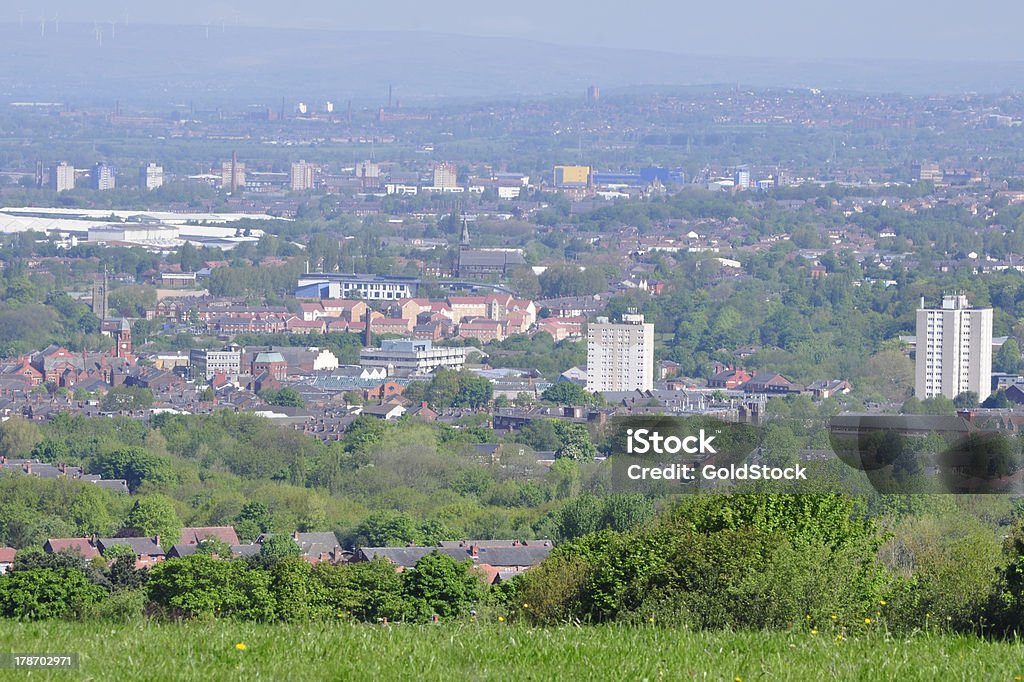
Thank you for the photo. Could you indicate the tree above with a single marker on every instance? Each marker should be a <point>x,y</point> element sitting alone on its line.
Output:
<point>1008,357</point>
<point>578,517</point>
<point>997,400</point>
<point>443,389</point>
<point>966,399</point>
<point>45,593</point>
<point>368,591</point>
<point>214,547</point>
<point>285,397</point>
<point>474,391</point>
<point>888,374</point>
<point>189,258</point>
<point>155,515</point>
<point>279,546</point>
<point>387,528</point>
<point>115,552</point>
<point>297,597</point>
<point>626,511</point>
<point>17,437</point>
<point>440,584</point>
<point>201,586</point>
<point>540,434</point>
<point>567,393</point>
<point>575,442</point>
<point>781,446</point>
<point>129,398</point>
<point>253,519</point>
<point>939,405</point>
<point>135,465</point>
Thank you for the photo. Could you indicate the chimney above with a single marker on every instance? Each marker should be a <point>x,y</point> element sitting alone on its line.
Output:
<point>156,540</point>
<point>474,551</point>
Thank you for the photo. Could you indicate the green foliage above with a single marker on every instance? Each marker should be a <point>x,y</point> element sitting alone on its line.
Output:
<point>948,565</point>
<point>570,280</point>
<point>966,399</point>
<point>44,593</point>
<point>285,397</point>
<point>448,388</point>
<point>440,584</point>
<point>393,528</point>
<point>115,552</point>
<point>567,393</point>
<point>765,561</point>
<point>997,400</point>
<point>587,514</point>
<point>253,519</point>
<point>200,586</point>
<point>214,547</point>
<point>1008,358</point>
<point>155,515</point>
<point>567,439</point>
<point>136,466</point>
<point>279,546</point>
<point>18,437</point>
<point>574,442</point>
<point>127,398</point>
<point>363,592</point>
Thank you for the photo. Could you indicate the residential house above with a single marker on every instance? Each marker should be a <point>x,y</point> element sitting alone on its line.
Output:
<point>82,546</point>
<point>147,550</point>
<point>6,559</point>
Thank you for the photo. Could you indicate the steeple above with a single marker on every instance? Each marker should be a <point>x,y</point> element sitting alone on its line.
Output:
<point>464,240</point>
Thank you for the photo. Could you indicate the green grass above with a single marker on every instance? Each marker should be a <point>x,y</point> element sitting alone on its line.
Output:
<point>207,651</point>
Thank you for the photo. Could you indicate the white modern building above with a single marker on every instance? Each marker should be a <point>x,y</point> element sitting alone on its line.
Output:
<point>140,233</point>
<point>620,356</point>
<point>62,177</point>
<point>954,349</point>
<point>408,357</point>
<point>301,176</point>
<point>151,177</point>
<point>104,176</point>
<point>446,176</point>
<point>205,364</point>
<point>353,285</point>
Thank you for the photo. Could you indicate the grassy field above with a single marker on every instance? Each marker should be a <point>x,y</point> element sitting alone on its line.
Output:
<point>228,651</point>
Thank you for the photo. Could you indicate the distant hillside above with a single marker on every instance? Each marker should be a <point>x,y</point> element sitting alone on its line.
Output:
<point>163,64</point>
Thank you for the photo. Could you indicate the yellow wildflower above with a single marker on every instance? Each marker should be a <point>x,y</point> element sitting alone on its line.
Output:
<point>241,646</point>
<point>867,621</point>
<point>814,632</point>
<point>501,619</point>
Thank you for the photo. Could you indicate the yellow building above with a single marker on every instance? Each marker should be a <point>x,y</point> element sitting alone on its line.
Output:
<point>572,176</point>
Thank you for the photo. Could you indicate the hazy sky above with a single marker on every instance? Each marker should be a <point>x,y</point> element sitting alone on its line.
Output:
<point>956,30</point>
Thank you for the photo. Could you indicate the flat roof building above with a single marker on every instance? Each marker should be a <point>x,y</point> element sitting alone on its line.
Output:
<point>412,357</point>
<point>620,356</point>
<point>954,349</point>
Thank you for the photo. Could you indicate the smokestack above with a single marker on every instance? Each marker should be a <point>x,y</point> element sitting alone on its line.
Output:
<point>367,332</point>
<point>390,91</point>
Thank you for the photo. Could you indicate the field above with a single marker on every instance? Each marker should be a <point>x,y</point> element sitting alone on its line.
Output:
<point>226,650</point>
